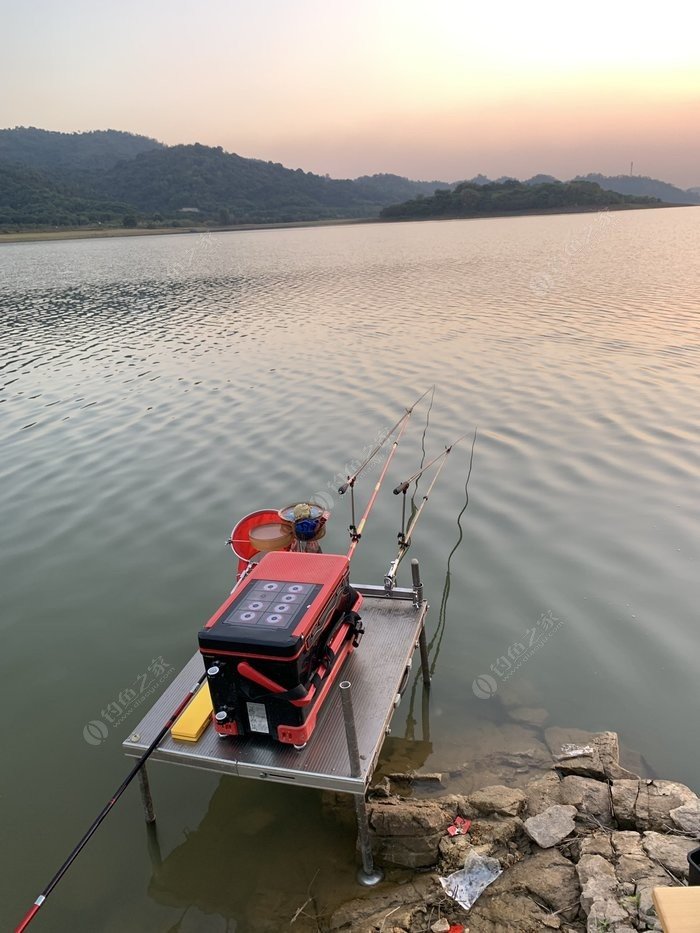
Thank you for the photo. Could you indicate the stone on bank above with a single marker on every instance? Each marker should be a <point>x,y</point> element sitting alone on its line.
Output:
<point>581,847</point>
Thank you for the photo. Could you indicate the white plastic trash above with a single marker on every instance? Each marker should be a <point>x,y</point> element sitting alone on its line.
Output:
<point>467,884</point>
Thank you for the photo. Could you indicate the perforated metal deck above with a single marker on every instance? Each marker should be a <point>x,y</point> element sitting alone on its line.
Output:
<point>376,670</point>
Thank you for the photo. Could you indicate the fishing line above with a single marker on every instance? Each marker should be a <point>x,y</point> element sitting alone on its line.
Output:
<point>442,616</point>
<point>440,629</point>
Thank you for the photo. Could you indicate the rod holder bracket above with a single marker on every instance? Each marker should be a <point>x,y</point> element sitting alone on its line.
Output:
<point>417,584</point>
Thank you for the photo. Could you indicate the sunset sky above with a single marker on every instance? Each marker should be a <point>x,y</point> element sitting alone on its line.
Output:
<point>443,90</point>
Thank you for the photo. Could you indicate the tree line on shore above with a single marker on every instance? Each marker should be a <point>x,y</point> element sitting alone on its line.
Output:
<point>470,199</point>
<point>109,178</point>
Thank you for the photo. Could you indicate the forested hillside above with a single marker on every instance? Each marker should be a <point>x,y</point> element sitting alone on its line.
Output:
<point>108,177</point>
<point>470,199</point>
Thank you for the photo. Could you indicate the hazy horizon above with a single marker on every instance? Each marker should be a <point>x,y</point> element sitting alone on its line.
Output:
<point>437,91</point>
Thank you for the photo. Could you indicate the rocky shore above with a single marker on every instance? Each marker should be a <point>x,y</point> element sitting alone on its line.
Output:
<point>581,840</point>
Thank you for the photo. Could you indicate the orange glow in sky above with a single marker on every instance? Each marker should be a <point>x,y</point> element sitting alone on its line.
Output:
<point>443,89</point>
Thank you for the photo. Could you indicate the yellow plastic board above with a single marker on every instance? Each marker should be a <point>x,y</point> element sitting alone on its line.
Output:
<point>195,718</point>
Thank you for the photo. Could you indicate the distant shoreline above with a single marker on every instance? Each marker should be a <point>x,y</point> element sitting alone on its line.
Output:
<point>95,233</point>
<point>77,233</point>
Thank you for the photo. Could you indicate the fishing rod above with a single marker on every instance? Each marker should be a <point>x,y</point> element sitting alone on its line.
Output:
<point>356,530</point>
<point>405,534</point>
<point>38,903</point>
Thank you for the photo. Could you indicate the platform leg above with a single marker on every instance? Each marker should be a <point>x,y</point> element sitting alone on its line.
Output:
<point>146,798</point>
<point>369,874</point>
<point>424,662</point>
<point>153,843</point>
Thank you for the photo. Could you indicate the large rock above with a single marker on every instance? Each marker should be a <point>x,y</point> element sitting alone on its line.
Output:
<point>550,827</point>
<point>632,865</point>
<point>669,851</point>
<point>501,911</point>
<point>551,878</point>
<point>505,801</point>
<point>647,805</point>
<point>590,754</point>
<point>542,793</point>
<point>498,838</point>
<point>687,818</point>
<point>600,895</point>
<point>388,906</point>
<point>597,844</point>
<point>395,816</point>
<point>407,833</point>
<point>591,798</point>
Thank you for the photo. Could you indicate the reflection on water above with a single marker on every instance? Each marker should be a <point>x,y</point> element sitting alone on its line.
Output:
<point>152,391</point>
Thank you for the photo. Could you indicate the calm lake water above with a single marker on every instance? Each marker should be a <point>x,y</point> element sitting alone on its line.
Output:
<point>155,389</point>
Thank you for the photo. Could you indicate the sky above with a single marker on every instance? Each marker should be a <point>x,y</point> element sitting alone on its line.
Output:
<point>432,90</point>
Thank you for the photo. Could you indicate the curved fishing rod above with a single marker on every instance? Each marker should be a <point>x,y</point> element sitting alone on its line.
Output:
<point>407,414</point>
<point>356,530</point>
<point>406,533</point>
<point>38,903</point>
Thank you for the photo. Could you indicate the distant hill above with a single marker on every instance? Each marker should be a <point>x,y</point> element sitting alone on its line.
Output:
<point>29,197</point>
<point>643,186</point>
<point>695,190</point>
<point>113,178</point>
<point>470,199</point>
<point>245,190</point>
<point>391,188</point>
<point>535,180</point>
<point>542,180</point>
<point>69,153</point>
<point>114,173</point>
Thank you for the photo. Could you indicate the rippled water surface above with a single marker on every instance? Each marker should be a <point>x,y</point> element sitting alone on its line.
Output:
<point>154,389</point>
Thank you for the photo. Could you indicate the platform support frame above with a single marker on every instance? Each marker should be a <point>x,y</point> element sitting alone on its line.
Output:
<point>357,781</point>
<point>146,798</point>
<point>418,602</point>
<point>369,874</point>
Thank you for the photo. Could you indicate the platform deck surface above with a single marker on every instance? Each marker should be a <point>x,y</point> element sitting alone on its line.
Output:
<point>375,669</point>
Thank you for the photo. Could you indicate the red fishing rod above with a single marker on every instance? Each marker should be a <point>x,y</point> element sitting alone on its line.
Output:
<point>356,530</point>
<point>38,903</point>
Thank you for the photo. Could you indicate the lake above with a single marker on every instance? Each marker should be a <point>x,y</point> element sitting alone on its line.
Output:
<point>155,389</point>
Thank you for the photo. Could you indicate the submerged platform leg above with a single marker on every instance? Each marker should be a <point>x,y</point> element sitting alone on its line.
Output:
<point>369,874</point>
<point>424,663</point>
<point>418,602</point>
<point>153,843</point>
<point>146,798</point>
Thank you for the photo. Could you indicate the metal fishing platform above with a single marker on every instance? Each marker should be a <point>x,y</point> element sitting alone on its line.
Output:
<point>342,753</point>
<point>263,697</point>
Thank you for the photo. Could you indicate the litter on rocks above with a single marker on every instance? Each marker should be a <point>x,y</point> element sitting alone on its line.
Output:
<point>467,884</point>
<point>575,751</point>
<point>460,827</point>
